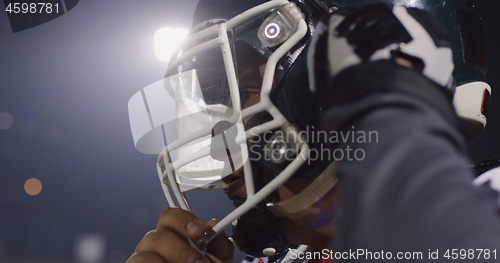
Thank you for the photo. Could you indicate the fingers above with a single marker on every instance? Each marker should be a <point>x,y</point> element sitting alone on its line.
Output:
<point>169,246</point>
<point>149,257</point>
<point>213,259</point>
<point>220,249</point>
<point>169,242</point>
<point>182,222</point>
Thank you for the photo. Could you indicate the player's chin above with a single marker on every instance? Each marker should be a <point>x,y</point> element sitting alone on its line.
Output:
<point>236,189</point>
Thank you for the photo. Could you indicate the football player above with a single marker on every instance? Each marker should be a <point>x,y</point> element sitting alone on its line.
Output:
<point>332,125</point>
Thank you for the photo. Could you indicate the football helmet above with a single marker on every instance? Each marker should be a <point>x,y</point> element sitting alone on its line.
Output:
<point>197,118</point>
<point>241,76</point>
<point>472,95</point>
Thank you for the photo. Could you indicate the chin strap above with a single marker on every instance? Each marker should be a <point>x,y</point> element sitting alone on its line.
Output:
<point>317,189</point>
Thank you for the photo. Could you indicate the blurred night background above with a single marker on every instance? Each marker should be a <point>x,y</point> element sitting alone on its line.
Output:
<point>64,89</point>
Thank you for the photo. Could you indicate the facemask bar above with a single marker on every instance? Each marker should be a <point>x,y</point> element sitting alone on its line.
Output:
<point>235,118</point>
<point>278,120</point>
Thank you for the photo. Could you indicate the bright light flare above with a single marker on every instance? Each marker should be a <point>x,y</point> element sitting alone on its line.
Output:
<point>167,40</point>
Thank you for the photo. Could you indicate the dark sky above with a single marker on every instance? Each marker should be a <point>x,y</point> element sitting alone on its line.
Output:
<point>67,84</point>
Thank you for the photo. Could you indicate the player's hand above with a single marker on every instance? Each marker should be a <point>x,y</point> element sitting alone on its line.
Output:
<point>361,34</point>
<point>361,50</point>
<point>170,241</point>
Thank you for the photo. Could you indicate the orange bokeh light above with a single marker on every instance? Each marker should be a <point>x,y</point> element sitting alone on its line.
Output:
<point>33,186</point>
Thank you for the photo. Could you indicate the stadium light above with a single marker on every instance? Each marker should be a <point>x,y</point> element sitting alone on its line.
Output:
<point>167,40</point>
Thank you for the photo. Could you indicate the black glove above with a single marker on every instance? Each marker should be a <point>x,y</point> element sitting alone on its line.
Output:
<point>362,49</point>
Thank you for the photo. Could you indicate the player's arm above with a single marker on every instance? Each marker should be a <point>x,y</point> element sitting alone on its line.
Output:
<point>412,189</point>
